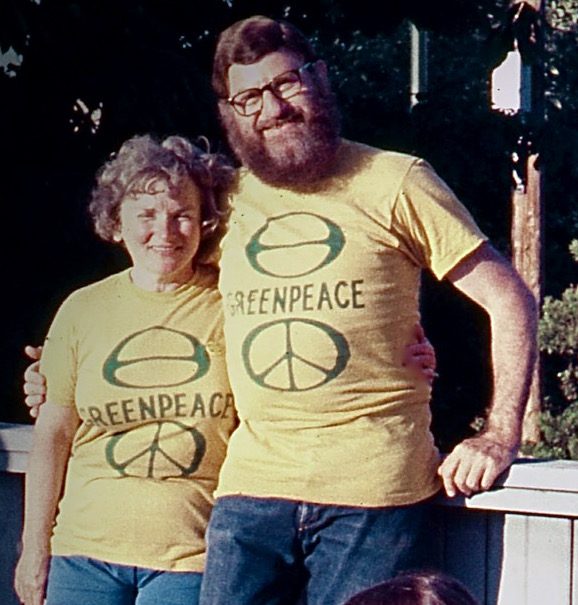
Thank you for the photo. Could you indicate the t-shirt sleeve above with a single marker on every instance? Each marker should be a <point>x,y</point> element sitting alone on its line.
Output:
<point>58,362</point>
<point>435,227</point>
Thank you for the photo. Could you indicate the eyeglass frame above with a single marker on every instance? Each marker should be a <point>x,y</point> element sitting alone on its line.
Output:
<point>269,86</point>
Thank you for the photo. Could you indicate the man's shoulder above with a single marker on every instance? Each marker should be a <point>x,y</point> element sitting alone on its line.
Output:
<point>367,167</point>
<point>384,156</point>
<point>369,160</point>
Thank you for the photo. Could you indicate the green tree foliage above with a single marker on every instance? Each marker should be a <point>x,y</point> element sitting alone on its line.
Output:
<point>563,14</point>
<point>559,435</point>
<point>558,333</point>
<point>558,336</point>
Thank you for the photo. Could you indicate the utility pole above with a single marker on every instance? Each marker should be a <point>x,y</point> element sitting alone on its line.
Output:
<point>517,91</point>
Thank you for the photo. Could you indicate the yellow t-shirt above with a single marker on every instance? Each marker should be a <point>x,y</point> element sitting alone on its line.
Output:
<point>146,372</point>
<point>321,289</point>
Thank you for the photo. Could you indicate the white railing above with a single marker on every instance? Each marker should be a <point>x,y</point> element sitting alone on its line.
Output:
<point>514,545</point>
<point>15,442</point>
<point>517,544</point>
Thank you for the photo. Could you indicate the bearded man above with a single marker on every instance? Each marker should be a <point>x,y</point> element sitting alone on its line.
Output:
<point>327,480</point>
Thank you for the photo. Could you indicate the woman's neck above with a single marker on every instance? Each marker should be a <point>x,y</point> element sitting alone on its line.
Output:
<point>156,283</point>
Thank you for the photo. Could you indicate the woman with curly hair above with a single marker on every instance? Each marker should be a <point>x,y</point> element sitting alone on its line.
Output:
<point>128,446</point>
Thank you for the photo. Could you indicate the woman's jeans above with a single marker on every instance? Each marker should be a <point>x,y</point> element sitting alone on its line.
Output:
<point>84,581</point>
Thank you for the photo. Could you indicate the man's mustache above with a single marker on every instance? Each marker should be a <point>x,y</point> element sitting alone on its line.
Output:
<point>293,117</point>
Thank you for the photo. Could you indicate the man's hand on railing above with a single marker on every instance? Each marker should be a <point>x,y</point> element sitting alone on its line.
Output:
<point>475,463</point>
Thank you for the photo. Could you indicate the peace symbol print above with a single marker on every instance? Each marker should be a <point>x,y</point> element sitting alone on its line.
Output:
<point>156,451</point>
<point>294,244</point>
<point>294,354</point>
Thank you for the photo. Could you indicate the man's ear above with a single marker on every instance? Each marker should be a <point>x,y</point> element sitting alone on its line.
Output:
<point>224,108</point>
<point>322,76</point>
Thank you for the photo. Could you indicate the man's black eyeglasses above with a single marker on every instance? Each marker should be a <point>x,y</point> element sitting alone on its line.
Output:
<point>284,86</point>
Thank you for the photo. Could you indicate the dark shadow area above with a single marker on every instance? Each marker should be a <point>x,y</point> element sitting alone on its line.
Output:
<point>472,548</point>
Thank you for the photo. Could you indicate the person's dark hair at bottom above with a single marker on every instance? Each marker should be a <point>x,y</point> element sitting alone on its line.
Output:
<point>417,588</point>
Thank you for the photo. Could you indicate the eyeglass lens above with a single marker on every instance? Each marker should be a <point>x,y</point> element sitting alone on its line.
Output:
<point>284,86</point>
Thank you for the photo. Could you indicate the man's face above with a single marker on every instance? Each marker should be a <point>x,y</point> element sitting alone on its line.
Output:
<point>289,141</point>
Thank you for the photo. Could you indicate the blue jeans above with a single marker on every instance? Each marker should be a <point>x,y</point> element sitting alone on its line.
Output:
<point>267,551</point>
<point>84,581</point>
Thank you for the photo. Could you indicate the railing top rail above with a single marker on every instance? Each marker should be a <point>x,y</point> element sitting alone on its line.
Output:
<point>530,486</point>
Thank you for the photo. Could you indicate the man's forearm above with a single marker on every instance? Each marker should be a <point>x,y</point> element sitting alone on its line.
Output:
<point>490,281</point>
<point>513,319</point>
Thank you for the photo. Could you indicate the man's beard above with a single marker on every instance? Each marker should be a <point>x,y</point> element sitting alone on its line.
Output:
<point>302,157</point>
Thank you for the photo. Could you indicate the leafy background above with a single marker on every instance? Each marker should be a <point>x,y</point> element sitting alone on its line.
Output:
<point>79,77</point>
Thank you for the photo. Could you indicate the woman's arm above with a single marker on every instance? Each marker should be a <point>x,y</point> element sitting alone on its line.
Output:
<point>53,435</point>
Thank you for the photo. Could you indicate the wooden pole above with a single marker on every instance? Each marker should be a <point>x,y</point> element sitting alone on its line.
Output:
<point>527,259</point>
<point>527,199</point>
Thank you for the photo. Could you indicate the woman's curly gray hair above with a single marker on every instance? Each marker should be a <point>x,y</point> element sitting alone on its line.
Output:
<point>141,161</point>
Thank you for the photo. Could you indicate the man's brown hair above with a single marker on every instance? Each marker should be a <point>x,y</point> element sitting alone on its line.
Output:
<point>249,40</point>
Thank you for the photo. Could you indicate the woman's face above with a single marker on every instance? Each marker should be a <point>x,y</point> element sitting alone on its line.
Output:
<point>161,231</point>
